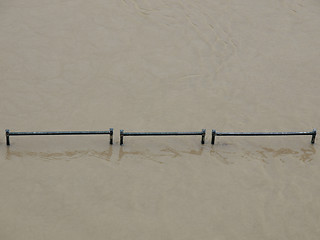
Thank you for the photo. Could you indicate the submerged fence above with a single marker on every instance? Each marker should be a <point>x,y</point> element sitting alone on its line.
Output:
<point>214,134</point>
<point>123,134</point>
<point>8,134</point>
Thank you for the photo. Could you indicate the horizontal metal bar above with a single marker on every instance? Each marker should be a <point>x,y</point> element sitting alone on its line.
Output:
<point>214,134</point>
<point>160,133</point>
<point>261,133</point>
<point>59,133</point>
<point>8,133</point>
<point>122,134</point>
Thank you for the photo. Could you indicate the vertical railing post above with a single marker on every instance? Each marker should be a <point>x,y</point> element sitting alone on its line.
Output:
<point>8,137</point>
<point>203,136</point>
<point>314,133</point>
<point>121,137</point>
<point>213,136</point>
<point>111,135</point>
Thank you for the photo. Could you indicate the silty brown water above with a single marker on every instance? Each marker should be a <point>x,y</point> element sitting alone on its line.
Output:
<point>159,66</point>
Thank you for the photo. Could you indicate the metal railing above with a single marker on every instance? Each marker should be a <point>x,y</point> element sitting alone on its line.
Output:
<point>8,134</point>
<point>123,133</point>
<point>214,134</point>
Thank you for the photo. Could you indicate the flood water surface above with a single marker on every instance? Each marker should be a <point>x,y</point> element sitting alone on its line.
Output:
<point>159,66</point>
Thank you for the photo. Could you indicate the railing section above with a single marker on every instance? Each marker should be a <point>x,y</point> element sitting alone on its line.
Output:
<point>8,134</point>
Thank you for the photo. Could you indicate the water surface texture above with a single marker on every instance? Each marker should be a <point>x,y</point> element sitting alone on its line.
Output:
<point>159,66</point>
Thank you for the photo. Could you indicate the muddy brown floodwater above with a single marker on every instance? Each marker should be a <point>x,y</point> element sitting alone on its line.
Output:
<point>159,66</point>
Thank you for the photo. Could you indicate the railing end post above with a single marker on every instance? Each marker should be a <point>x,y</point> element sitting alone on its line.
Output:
<point>121,137</point>
<point>203,136</point>
<point>111,136</point>
<point>8,137</point>
<point>213,136</point>
<point>314,133</point>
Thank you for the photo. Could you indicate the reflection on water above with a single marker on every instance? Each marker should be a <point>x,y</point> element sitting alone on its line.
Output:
<point>195,152</point>
<point>174,153</point>
<point>66,155</point>
<point>105,155</point>
<point>278,152</point>
<point>305,155</point>
<point>163,153</point>
<point>122,153</point>
<point>226,156</point>
<point>264,154</point>
<point>222,156</point>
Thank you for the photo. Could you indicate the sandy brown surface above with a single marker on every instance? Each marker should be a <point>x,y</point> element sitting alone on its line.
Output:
<point>159,66</point>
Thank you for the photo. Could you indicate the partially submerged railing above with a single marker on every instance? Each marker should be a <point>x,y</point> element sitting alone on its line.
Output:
<point>123,133</point>
<point>8,134</point>
<point>215,133</point>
